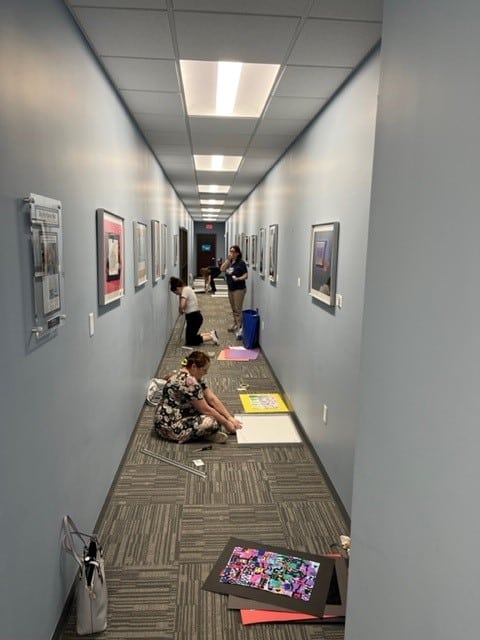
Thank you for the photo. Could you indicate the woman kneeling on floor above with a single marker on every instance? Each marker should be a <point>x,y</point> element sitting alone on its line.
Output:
<point>189,410</point>
<point>188,304</point>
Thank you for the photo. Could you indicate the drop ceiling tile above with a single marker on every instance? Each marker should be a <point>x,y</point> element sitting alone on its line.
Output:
<point>268,7</point>
<point>120,4</point>
<point>271,142</point>
<point>242,191</point>
<point>158,138</point>
<point>301,108</point>
<point>142,75</point>
<point>334,43</point>
<point>178,174</point>
<point>176,162</point>
<point>158,102</point>
<point>247,38</point>
<point>222,126</point>
<point>125,32</point>
<point>257,167</point>
<point>277,126</point>
<point>155,123</point>
<point>233,145</point>
<point>349,9</point>
<point>311,82</point>
<point>173,151</point>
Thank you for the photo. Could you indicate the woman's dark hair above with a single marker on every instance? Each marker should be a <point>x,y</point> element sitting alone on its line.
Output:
<point>237,249</point>
<point>174,283</point>
<point>197,358</point>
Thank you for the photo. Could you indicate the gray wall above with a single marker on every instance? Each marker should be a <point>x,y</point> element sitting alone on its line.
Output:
<point>67,406</point>
<point>315,352</point>
<point>415,519</point>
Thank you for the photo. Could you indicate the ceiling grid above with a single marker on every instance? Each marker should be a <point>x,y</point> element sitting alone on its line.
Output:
<point>317,44</point>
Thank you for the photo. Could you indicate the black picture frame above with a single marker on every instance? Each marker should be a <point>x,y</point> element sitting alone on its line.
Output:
<point>310,575</point>
<point>323,262</point>
<point>272,253</point>
<point>261,251</point>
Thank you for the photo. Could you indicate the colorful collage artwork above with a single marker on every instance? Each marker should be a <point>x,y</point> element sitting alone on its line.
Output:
<point>262,402</point>
<point>270,571</point>
<point>293,580</point>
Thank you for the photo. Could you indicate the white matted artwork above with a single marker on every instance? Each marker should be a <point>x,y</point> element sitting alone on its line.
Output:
<point>267,429</point>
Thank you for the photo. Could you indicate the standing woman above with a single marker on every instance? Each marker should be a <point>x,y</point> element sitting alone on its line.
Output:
<point>236,273</point>
<point>188,304</point>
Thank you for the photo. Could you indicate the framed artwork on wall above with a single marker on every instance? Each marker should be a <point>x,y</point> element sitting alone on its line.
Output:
<point>253,251</point>
<point>46,233</point>
<point>110,257</point>
<point>323,262</point>
<point>155,237</point>
<point>272,252</point>
<point>175,250</point>
<point>246,256</point>
<point>241,244</point>
<point>163,252</point>
<point>261,252</point>
<point>140,253</point>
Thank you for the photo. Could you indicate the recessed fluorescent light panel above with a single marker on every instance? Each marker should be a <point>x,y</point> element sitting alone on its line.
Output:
<point>210,210</point>
<point>227,89</point>
<point>212,201</point>
<point>217,163</point>
<point>213,188</point>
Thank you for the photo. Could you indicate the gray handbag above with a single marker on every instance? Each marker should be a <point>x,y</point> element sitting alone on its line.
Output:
<point>91,588</point>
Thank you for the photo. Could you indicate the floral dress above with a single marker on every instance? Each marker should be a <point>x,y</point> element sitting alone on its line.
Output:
<point>175,417</point>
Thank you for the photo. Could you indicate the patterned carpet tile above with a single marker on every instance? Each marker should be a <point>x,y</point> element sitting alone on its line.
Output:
<point>321,524</point>
<point>205,530</point>
<point>296,482</point>
<point>149,483</point>
<point>283,455</point>
<point>142,604</point>
<point>140,535</point>
<point>229,484</point>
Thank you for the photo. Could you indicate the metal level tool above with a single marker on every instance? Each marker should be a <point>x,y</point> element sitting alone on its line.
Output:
<point>180,465</point>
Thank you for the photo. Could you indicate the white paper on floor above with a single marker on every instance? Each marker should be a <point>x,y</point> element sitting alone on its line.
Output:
<point>268,428</point>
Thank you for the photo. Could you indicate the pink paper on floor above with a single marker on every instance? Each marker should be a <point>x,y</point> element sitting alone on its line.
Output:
<point>252,353</point>
<point>255,616</point>
<point>237,353</point>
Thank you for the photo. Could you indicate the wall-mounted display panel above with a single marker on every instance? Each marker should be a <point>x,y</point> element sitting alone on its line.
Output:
<point>47,247</point>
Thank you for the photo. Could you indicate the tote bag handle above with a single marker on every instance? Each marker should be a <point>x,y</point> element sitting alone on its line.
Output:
<point>68,543</point>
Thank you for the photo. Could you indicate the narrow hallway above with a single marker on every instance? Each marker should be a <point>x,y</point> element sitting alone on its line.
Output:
<point>163,528</point>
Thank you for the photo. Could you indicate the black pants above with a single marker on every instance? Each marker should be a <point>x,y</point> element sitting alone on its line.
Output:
<point>214,273</point>
<point>193,322</point>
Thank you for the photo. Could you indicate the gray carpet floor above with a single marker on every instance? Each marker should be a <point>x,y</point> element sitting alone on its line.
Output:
<point>163,528</point>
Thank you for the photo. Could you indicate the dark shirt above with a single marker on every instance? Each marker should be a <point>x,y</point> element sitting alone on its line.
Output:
<point>237,269</point>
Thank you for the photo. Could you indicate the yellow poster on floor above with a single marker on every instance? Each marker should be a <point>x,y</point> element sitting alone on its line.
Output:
<point>263,403</point>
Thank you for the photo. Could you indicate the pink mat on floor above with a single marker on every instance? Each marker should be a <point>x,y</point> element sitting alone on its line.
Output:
<point>238,353</point>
